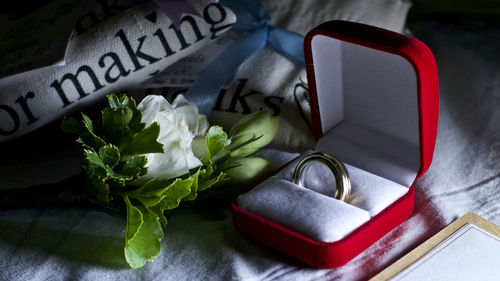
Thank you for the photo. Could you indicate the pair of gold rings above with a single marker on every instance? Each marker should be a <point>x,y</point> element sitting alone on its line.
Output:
<point>338,169</point>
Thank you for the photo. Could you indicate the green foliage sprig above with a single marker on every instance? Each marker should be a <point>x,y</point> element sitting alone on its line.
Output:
<point>114,160</point>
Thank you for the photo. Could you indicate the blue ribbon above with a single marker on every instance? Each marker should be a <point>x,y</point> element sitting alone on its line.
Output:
<point>254,18</point>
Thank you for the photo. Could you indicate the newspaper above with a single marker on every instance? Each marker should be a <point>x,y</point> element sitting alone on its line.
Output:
<point>113,48</point>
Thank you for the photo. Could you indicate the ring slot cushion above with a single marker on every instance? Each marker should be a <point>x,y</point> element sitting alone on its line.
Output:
<point>374,105</point>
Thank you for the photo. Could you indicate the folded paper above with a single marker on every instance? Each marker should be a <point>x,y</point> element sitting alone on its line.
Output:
<point>117,54</point>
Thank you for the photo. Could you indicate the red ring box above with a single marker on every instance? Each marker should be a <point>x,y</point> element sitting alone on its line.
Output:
<point>374,99</point>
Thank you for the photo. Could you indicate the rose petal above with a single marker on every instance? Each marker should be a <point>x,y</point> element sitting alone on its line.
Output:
<point>175,135</point>
<point>197,123</point>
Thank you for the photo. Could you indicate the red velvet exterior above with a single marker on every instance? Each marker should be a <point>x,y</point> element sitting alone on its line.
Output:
<point>335,254</point>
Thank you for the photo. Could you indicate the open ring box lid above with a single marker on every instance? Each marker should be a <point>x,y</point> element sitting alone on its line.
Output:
<point>374,104</point>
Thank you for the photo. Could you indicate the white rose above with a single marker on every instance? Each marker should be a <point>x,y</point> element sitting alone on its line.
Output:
<point>179,124</point>
<point>197,123</point>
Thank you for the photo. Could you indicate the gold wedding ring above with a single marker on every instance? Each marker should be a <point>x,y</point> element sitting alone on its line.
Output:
<point>338,169</point>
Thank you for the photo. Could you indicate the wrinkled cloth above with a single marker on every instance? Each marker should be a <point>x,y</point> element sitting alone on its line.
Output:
<point>84,244</point>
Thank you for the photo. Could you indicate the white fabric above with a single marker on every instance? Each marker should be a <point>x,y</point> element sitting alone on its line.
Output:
<point>369,192</point>
<point>312,211</point>
<point>305,211</point>
<point>83,244</point>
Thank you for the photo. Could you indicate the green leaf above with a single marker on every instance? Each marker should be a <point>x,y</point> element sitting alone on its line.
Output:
<point>248,169</point>
<point>145,141</point>
<point>175,192</point>
<point>115,120</point>
<point>113,101</point>
<point>151,193</point>
<point>88,123</point>
<point>92,160</point>
<point>163,193</point>
<point>121,105</point>
<point>152,186</point>
<point>109,155</point>
<point>121,120</point>
<point>159,212</point>
<point>136,123</point>
<point>117,180</point>
<point>206,173</point>
<point>88,135</point>
<point>144,234</point>
<point>199,147</point>
<point>194,186</point>
<point>134,167</point>
<point>112,132</point>
<point>98,190</point>
<point>216,141</point>
<point>251,133</point>
<point>208,182</point>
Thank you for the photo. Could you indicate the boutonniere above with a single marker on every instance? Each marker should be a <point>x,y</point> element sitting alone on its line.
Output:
<point>152,157</point>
